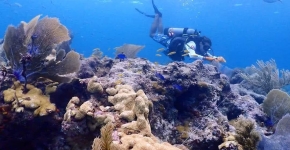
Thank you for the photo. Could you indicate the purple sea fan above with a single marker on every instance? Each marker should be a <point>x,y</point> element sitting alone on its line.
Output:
<point>39,38</point>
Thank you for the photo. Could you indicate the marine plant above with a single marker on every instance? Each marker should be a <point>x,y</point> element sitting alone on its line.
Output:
<point>246,134</point>
<point>279,140</point>
<point>276,104</point>
<point>129,50</point>
<point>31,50</point>
<point>105,142</point>
<point>266,76</point>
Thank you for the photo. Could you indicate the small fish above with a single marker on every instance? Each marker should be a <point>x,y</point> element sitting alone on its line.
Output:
<point>177,87</point>
<point>160,76</point>
<point>158,55</point>
<point>121,56</point>
<point>184,55</point>
<point>156,63</point>
<point>18,4</point>
<point>160,50</point>
<point>269,122</point>
<point>171,53</point>
<point>186,51</point>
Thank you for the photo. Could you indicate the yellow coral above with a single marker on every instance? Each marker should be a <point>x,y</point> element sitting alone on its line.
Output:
<point>71,108</point>
<point>128,142</point>
<point>50,88</point>
<point>230,140</point>
<point>94,86</point>
<point>86,109</point>
<point>134,135</point>
<point>159,89</point>
<point>123,101</point>
<point>140,142</point>
<point>183,130</point>
<point>132,105</point>
<point>33,99</point>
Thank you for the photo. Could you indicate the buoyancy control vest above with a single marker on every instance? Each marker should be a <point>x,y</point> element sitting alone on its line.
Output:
<point>179,37</point>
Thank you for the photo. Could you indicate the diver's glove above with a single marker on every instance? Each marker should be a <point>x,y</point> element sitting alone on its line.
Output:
<point>219,59</point>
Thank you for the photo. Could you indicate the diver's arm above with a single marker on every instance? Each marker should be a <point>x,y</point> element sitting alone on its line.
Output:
<point>208,54</point>
<point>192,54</point>
<point>208,57</point>
<point>190,46</point>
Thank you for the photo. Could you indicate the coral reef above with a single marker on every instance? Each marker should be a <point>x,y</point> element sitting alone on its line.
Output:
<point>97,53</point>
<point>94,87</point>
<point>276,104</point>
<point>279,140</point>
<point>246,134</point>
<point>133,141</point>
<point>131,106</point>
<point>33,99</point>
<point>186,105</point>
<point>230,143</point>
<point>93,66</point>
<point>30,50</point>
<point>266,76</point>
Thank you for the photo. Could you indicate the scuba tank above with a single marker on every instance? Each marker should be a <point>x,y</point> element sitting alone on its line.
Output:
<point>180,32</point>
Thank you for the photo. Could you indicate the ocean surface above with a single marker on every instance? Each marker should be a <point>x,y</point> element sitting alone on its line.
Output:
<point>242,31</point>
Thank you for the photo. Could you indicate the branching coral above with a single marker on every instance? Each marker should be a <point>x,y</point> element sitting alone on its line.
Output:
<point>276,104</point>
<point>37,39</point>
<point>130,50</point>
<point>106,140</point>
<point>246,135</point>
<point>266,76</point>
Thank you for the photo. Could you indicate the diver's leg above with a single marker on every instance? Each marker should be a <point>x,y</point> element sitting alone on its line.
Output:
<point>157,23</point>
<point>141,12</point>
<point>156,10</point>
<point>160,25</point>
<point>154,26</point>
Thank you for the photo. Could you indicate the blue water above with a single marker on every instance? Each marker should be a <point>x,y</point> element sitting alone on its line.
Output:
<point>242,31</point>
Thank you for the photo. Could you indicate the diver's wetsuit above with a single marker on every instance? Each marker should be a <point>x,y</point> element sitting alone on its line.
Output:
<point>173,43</point>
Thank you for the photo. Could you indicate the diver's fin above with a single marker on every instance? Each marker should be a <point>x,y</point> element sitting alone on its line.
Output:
<point>151,16</point>
<point>156,10</point>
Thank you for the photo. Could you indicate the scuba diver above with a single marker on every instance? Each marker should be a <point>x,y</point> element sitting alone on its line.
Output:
<point>180,42</point>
